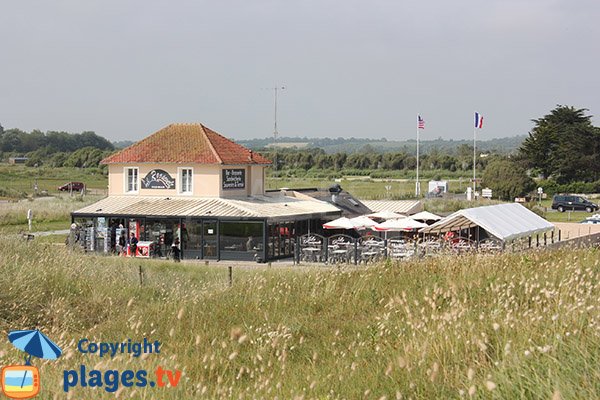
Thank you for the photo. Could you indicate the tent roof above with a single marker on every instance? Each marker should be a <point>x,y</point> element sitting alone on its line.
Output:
<point>504,221</point>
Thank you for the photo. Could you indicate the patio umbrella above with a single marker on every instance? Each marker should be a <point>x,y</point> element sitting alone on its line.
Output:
<point>340,223</point>
<point>425,216</point>
<point>34,343</point>
<point>385,215</point>
<point>402,224</point>
<point>363,221</point>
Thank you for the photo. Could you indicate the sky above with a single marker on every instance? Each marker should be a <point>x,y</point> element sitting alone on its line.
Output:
<point>127,68</point>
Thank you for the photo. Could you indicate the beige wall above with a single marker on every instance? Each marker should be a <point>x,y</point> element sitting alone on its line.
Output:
<point>207,180</point>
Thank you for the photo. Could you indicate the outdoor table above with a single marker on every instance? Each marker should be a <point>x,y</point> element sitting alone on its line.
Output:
<point>311,253</point>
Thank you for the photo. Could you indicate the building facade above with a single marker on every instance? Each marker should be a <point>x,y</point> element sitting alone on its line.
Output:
<point>189,186</point>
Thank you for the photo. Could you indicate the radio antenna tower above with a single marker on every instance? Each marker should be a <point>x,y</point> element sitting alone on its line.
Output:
<point>275,90</point>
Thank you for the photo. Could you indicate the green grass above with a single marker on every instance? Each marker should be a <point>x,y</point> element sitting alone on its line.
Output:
<point>522,325</point>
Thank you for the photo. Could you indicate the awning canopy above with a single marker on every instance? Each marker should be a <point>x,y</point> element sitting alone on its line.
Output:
<point>506,222</point>
<point>275,206</point>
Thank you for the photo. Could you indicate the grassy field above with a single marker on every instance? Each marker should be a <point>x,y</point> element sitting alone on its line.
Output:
<point>49,213</point>
<point>509,326</point>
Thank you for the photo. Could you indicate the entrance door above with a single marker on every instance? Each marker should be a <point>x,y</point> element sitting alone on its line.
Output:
<point>209,239</point>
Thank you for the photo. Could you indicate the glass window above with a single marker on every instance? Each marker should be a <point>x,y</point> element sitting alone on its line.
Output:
<point>241,240</point>
<point>185,179</point>
<point>132,180</point>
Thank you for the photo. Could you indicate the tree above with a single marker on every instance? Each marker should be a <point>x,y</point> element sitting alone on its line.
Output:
<point>564,145</point>
<point>507,179</point>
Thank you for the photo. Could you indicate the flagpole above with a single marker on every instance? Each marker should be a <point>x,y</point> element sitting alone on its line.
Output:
<point>474,157</point>
<point>417,183</point>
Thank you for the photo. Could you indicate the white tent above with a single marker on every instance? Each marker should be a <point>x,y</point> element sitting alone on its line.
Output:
<point>506,222</point>
<point>425,216</point>
<point>341,223</point>
<point>402,224</point>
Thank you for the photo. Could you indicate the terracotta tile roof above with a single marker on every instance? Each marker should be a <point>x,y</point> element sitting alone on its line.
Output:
<point>186,143</point>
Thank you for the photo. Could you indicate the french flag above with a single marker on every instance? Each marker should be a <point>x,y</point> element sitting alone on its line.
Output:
<point>478,120</point>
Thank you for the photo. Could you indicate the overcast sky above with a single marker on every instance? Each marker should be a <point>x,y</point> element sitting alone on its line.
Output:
<point>124,69</point>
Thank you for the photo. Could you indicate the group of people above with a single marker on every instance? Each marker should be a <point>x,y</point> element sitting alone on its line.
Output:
<point>120,245</point>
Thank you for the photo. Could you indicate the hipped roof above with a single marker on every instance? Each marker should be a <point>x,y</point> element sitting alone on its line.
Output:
<point>186,143</point>
<point>506,222</point>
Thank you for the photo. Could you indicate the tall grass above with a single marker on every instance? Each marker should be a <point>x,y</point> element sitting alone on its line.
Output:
<point>509,326</point>
<point>44,210</point>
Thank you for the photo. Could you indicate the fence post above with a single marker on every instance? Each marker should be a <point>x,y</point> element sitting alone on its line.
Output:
<point>141,272</point>
<point>231,276</point>
<point>559,235</point>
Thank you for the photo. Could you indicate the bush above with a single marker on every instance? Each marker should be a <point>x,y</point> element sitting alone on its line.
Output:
<point>551,187</point>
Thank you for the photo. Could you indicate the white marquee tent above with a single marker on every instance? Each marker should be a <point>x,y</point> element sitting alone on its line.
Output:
<point>506,222</point>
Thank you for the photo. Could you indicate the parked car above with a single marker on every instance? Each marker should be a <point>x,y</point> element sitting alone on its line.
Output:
<point>72,187</point>
<point>594,219</point>
<point>564,202</point>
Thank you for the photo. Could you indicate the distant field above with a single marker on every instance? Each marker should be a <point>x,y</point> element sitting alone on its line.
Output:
<point>363,187</point>
<point>19,180</point>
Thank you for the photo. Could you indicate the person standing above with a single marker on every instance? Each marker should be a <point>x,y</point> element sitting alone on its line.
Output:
<point>122,244</point>
<point>176,250</point>
<point>133,241</point>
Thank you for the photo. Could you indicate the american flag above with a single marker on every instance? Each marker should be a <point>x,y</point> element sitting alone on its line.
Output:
<point>420,122</point>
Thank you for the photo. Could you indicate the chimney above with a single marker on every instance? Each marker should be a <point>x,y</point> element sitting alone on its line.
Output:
<point>250,156</point>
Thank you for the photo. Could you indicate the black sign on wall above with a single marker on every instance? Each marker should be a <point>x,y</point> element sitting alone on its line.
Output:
<point>158,179</point>
<point>234,178</point>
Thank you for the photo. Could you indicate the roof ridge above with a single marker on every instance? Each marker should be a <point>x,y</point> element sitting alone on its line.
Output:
<point>212,148</point>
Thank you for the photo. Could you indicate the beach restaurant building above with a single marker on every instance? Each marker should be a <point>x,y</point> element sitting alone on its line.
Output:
<point>187,184</point>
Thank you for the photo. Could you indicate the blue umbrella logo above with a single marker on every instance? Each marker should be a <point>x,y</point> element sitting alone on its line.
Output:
<point>34,343</point>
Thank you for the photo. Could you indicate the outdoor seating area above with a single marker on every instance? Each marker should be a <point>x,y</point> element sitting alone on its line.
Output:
<point>388,235</point>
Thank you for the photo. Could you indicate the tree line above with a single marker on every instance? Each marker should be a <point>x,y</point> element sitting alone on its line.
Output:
<point>55,149</point>
<point>562,153</point>
<point>369,159</point>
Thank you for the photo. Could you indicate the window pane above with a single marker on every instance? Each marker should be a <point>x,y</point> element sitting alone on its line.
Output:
<point>186,180</point>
